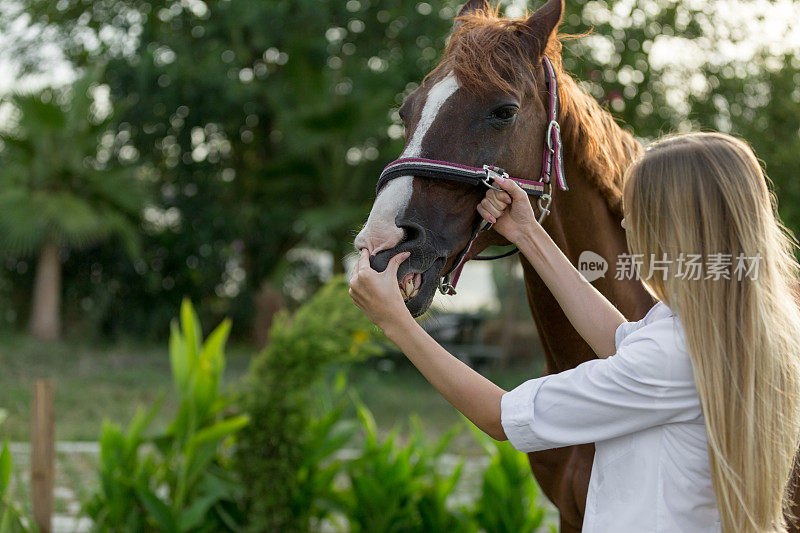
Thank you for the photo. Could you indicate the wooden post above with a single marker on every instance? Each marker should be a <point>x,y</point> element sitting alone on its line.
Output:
<point>42,453</point>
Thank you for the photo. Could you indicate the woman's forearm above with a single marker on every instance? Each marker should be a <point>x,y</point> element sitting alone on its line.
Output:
<point>473,395</point>
<point>591,314</point>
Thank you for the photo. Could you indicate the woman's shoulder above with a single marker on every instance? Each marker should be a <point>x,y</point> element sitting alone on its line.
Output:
<point>660,314</point>
<point>656,341</point>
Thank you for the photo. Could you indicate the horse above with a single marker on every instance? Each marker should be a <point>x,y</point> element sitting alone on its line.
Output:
<point>487,102</point>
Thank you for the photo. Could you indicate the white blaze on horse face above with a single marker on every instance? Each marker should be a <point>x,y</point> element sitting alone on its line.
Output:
<point>380,231</point>
<point>437,96</point>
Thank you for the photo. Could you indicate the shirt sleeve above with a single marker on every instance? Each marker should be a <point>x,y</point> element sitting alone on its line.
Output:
<point>626,328</point>
<point>598,400</point>
<point>622,331</point>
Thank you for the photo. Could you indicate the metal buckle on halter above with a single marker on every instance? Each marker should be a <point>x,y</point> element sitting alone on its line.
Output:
<point>553,125</point>
<point>445,287</point>
<point>547,198</point>
<point>492,175</point>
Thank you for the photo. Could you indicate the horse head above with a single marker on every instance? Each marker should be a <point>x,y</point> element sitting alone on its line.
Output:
<point>485,103</point>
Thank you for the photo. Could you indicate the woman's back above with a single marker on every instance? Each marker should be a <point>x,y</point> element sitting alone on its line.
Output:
<point>641,408</point>
<point>666,464</point>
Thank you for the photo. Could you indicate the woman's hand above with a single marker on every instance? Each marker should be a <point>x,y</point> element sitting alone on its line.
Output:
<point>377,293</point>
<point>511,222</point>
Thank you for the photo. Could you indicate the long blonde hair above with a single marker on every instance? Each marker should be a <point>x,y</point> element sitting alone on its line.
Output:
<point>707,194</point>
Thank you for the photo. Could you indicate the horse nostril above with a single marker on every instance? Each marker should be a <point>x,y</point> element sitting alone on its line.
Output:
<point>412,232</point>
<point>373,262</point>
<point>380,260</point>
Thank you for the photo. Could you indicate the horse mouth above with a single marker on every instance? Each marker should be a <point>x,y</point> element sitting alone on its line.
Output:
<point>418,287</point>
<point>418,276</point>
<point>410,285</point>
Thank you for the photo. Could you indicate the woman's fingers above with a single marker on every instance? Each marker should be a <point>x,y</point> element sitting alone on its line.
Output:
<point>491,208</point>
<point>510,186</point>
<point>394,264</point>
<point>486,216</point>
<point>363,260</point>
<point>499,199</point>
<point>496,202</point>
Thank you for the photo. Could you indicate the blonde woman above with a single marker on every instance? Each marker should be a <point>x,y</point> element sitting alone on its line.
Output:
<point>695,409</point>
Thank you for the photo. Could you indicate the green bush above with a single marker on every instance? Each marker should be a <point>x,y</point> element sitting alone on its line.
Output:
<point>396,487</point>
<point>289,473</point>
<point>178,481</point>
<point>316,496</point>
<point>282,395</point>
<point>293,475</point>
<point>508,500</point>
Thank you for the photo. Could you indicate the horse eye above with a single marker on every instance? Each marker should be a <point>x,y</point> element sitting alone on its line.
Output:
<point>505,113</point>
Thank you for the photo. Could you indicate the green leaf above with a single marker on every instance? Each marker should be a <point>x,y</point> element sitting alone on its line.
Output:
<point>141,420</point>
<point>213,350</point>
<point>219,430</point>
<point>179,359</point>
<point>6,465</point>
<point>193,516</point>
<point>111,444</point>
<point>160,511</point>
<point>192,334</point>
<point>198,458</point>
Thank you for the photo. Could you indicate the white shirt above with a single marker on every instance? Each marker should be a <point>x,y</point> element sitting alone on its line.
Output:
<point>640,408</point>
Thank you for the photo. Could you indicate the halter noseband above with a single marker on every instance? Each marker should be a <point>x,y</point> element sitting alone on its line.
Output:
<point>552,164</point>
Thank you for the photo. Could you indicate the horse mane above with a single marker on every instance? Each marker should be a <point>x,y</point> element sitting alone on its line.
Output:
<point>488,53</point>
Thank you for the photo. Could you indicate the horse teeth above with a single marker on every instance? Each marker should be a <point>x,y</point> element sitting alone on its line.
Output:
<point>409,285</point>
<point>416,291</point>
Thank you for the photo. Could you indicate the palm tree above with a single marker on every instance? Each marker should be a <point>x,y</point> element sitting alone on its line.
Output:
<point>56,194</point>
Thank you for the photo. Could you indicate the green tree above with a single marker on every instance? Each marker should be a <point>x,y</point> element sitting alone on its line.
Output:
<point>763,107</point>
<point>266,124</point>
<point>754,96</point>
<point>58,191</point>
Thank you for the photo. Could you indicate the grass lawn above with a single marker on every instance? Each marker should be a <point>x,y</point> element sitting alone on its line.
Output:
<point>395,390</point>
<point>96,382</point>
<point>93,382</point>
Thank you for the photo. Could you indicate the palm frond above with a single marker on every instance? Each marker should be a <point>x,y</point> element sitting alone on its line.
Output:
<point>48,190</point>
<point>22,229</point>
<point>71,221</point>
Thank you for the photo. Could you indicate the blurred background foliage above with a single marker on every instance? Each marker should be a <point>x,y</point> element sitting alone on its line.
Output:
<point>254,130</point>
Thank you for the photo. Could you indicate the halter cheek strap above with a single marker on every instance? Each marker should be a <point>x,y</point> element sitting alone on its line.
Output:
<point>552,165</point>
<point>553,156</point>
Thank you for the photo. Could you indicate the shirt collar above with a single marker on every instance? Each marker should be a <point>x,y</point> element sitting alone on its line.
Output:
<point>659,310</point>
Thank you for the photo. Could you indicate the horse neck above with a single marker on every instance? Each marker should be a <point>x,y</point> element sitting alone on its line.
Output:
<point>580,220</point>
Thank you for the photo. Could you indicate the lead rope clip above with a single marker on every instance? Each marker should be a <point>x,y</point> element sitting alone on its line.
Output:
<point>491,175</point>
<point>544,203</point>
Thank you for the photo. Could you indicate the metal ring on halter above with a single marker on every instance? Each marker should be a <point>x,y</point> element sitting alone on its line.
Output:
<point>549,137</point>
<point>486,182</point>
<point>548,199</point>
<point>445,287</point>
<point>492,174</point>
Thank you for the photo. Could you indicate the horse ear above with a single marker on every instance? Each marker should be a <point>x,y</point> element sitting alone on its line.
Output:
<point>470,6</point>
<point>544,23</point>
